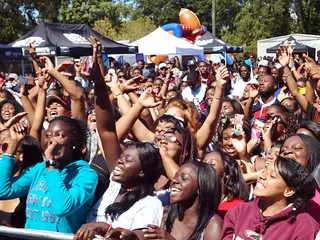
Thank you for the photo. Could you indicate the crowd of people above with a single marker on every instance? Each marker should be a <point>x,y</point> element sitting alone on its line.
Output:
<point>162,152</point>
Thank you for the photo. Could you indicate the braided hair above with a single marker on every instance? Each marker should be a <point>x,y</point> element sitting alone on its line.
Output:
<point>298,177</point>
<point>80,133</point>
<point>151,165</point>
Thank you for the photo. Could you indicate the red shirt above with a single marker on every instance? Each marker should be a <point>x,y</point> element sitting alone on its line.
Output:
<point>224,207</point>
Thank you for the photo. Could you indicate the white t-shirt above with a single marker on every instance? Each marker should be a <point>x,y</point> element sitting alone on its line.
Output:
<point>148,210</point>
<point>239,87</point>
<point>195,96</point>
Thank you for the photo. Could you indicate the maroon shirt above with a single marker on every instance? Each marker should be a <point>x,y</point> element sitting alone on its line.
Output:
<point>245,222</point>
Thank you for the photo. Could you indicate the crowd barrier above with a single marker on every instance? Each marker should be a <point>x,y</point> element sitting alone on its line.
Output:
<point>23,234</point>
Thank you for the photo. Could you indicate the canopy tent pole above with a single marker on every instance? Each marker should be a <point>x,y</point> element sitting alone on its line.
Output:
<point>22,66</point>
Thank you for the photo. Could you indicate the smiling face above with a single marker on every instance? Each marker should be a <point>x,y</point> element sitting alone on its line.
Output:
<point>61,130</point>
<point>7,111</point>
<point>271,187</point>
<point>184,186</point>
<point>244,72</point>
<point>227,143</point>
<point>91,122</point>
<point>128,170</point>
<point>215,160</point>
<point>174,148</point>
<point>56,109</point>
<point>294,148</point>
<point>209,96</point>
<point>227,107</point>
<point>272,154</point>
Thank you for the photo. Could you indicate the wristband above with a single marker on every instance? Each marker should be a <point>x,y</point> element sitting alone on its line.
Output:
<point>117,95</point>
<point>278,66</point>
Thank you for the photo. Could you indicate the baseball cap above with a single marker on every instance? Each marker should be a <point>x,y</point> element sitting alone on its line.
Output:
<point>13,75</point>
<point>162,65</point>
<point>192,62</point>
<point>263,63</point>
<point>53,98</point>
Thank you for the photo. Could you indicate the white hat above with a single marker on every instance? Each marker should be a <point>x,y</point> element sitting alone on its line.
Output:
<point>162,65</point>
<point>263,63</point>
<point>13,75</point>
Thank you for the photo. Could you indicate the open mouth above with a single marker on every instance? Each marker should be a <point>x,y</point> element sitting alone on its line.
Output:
<point>174,190</point>
<point>260,186</point>
<point>53,114</point>
<point>117,171</point>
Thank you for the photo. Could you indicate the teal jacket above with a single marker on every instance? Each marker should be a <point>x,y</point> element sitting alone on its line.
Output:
<point>56,201</point>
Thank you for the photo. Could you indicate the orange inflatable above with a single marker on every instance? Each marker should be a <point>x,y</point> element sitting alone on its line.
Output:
<point>156,59</point>
<point>187,17</point>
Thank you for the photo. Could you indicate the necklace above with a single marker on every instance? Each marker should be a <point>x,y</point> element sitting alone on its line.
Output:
<point>125,190</point>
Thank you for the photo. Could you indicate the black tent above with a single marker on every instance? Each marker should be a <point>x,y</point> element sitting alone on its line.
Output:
<point>216,45</point>
<point>298,47</point>
<point>68,40</point>
<point>8,52</point>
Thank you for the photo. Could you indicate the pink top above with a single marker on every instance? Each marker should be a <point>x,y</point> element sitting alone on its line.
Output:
<point>313,206</point>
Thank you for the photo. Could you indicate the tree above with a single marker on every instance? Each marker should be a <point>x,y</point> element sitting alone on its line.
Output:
<point>89,11</point>
<point>259,20</point>
<point>308,15</point>
<point>129,30</point>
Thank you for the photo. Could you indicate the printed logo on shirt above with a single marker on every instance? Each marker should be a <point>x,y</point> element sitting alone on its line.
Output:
<point>253,235</point>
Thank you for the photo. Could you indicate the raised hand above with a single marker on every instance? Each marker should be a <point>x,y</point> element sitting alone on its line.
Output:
<point>111,80</point>
<point>15,119</point>
<point>222,76</point>
<point>149,99</point>
<point>63,66</point>
<point>254,91</point>
<point>284,53</point>
<point>155,232</point>
<point>18,131</point>
<point>239,142</point>
<point>33,52</point>
<point>130,85</point>
<point>47,63</point>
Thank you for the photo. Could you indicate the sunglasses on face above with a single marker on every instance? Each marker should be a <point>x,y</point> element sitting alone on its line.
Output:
<point>163,68</point>
<point>277,117</point>
<point>121,76</point>
<point>168,138</point>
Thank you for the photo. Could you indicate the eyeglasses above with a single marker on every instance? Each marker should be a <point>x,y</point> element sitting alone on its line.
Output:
<point>121,76</point>
<point>277,117</point>
<point>163,68</point>
<point>168,68</point>
<point>167,138</point>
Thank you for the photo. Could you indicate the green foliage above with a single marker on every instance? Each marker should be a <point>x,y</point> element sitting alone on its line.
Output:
<point>129,30</point>
<point>259,20</point>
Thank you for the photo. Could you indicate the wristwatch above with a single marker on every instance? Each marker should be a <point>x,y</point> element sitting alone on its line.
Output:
<point>278,65</point>
<point>52,163</point>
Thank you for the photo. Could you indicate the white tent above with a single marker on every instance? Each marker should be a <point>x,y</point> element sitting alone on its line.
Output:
<point>309,40</point>
<point>159,42</point>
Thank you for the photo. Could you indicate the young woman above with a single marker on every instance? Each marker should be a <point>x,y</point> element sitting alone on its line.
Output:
<point>277,212</point>
<point>306,151</point>
<point>60,190</point>
<point>129,201</point>
<point>195,194</point>
<point>234,189</point>
<point>28,153</point>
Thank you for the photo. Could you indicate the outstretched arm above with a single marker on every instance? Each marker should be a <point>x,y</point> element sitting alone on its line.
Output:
<point>208,129</point>
<point>76,93</point>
